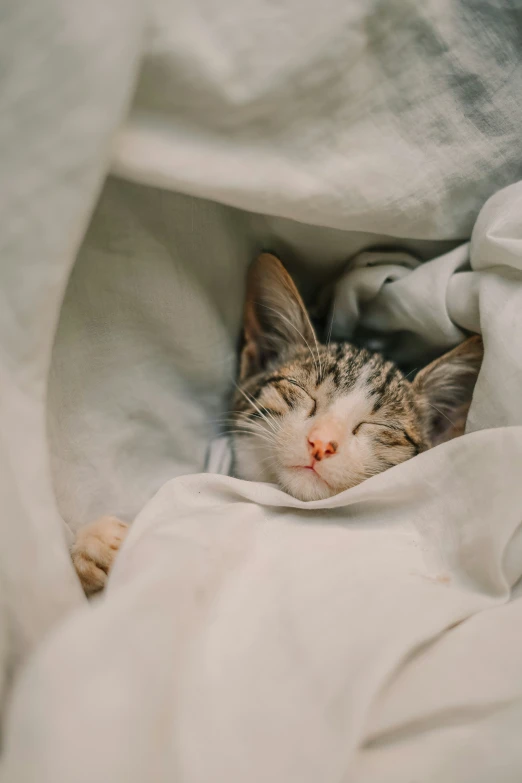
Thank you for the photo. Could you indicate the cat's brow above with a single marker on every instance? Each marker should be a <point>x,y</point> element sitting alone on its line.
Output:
<point>279,378</point>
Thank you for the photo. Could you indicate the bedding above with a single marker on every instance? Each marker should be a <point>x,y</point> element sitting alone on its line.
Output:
<point>148,153</point>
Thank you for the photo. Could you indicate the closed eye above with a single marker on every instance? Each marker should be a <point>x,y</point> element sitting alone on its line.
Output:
<point>280,378</point>
<point>379,424</point>
<point>393,427</point>
<point>314,401</point>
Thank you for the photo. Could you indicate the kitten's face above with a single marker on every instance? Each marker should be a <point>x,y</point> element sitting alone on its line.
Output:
<point>318,420</point>
<point>325,421</point>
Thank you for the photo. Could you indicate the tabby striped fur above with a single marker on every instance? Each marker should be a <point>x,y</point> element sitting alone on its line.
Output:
<point>290,385</point>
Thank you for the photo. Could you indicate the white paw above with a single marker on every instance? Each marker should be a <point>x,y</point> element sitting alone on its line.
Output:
<point>94,550</point>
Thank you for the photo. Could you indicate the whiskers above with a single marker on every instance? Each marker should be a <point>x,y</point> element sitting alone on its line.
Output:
<point>241,426</point>
<point>441,413</point>
<point>266,428</point>
<point>269,418</point>
<point>329,336</point>
<point>316,358</point>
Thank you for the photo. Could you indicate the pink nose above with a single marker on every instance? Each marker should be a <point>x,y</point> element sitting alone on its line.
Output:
<point>319,449</point>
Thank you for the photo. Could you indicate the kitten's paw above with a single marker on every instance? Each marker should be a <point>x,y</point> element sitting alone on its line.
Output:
<point>94,550</point>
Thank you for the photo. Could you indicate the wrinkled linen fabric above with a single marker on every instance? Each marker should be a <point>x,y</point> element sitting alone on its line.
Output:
<point>245,635</point>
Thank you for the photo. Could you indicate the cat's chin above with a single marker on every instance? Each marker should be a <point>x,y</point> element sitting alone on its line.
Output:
<point>305,484</point>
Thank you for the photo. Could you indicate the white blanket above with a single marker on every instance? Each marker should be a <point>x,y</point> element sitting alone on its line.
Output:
<point>246,636</point>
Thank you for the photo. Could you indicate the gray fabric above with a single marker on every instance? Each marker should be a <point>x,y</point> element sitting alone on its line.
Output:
<point>321,131</point>
<point>66,77</point>
<point>393,117</point>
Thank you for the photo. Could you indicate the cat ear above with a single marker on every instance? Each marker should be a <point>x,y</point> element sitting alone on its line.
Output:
<point>445,387</point>
<point>275,316</point>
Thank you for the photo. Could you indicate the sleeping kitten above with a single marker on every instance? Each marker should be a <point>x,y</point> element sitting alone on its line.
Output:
<point>315,419</point>
<point>319,419</point>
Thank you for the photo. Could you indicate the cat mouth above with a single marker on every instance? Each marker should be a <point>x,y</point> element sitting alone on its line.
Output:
<point>313,470</point>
